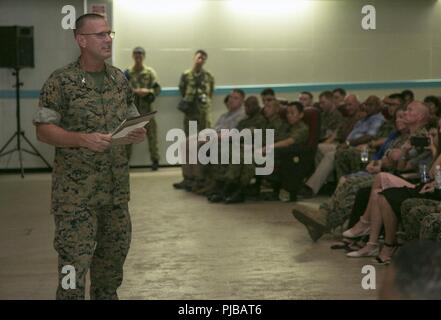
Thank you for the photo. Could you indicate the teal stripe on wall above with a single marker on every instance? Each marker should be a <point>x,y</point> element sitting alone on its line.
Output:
<point>282,88</point>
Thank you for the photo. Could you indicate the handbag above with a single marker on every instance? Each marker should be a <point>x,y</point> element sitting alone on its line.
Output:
<point>185,106</point>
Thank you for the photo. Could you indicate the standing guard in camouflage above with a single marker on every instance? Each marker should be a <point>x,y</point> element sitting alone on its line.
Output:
<point>145,85</point>
<point>79,105</point>
<point>196,86</point>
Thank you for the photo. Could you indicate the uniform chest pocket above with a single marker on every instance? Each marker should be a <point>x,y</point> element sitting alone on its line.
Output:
<point>86,115</point>
<point>145,81</point>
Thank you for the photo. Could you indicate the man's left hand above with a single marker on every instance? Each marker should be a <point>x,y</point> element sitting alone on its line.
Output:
<point>142,92</point>
<point>137,135</point>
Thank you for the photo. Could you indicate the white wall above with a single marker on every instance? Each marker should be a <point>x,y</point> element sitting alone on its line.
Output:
<point>321,41</point>
<point>254,42</point>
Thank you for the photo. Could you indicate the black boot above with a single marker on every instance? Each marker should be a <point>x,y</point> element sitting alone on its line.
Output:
<point>237,197</point>
<point>253,190</point>
<point>234,193</point>
<point>216,198</point>
<point>183,185</point>
<point>220,195</point>
<point>155,165</point>
<point>217,189</point>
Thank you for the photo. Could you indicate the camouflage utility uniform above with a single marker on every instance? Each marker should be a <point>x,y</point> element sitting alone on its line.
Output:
<point>292,167</point>
<point>330,122</point>
<point>197,89</point>
<point>244,173</point>
<point>421,219</point>
<point>146,78</point>
<point>90,190</point>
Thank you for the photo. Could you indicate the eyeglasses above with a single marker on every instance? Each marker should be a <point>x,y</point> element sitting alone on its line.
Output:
<point>101,35</point>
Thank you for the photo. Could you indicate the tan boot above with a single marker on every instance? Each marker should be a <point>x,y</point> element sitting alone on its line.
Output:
<point>313,219</point>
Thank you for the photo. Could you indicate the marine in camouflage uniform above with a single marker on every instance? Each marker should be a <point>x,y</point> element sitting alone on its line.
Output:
<point>330,122</point>
<point>197,87</point>
<point>325,156</point>
<point>386,128</point>
<point>421,219</point>
<point>338,208</point>
<point>146,78</point>
<point>348,160</point>
<point>244,173</point>
<point>292,166</point>
<point>90,190</point>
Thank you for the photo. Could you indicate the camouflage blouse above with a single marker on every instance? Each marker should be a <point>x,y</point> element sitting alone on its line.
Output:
<point>70,100</point>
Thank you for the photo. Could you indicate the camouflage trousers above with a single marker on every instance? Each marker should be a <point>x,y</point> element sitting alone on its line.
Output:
<point>431,227</point>
<point>235,173</point>
<point>421,219</point>
<point>202,117</point>
<point>192,171</point>
<point>152,138</point>
<point>152,135</point>
<point>95,239</point>
<point>241,173</point>
<point>347,161</point>
<point>339,207</point>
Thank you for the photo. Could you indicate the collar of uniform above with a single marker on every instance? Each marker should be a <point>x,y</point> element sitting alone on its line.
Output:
<point>298,123</point>
<point>234,112</point>
<point>144,67</point>
<point>420,132</point>
<point>197,73</point>
<point>274,117</point>
<point>109,77</point>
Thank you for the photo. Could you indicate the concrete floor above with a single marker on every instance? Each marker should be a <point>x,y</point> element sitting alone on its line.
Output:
<point>182,248</point>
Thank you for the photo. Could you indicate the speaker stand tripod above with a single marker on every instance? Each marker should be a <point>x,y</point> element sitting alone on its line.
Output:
<point>19,134</point>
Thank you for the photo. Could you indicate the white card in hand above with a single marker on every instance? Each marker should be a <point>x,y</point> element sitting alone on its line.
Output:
<point>124,132</point>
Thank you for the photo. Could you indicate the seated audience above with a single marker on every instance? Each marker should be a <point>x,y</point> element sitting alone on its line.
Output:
<point>384,207</point>
<point>335,212</point>
<point>232,179</point>
<point>193,174</point>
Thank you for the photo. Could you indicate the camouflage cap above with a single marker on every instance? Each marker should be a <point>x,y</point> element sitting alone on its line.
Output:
<point>139,50</point>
